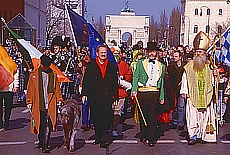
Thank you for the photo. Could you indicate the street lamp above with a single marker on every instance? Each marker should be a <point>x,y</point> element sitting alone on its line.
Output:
<point>92,18</point>
<point>208,13</point>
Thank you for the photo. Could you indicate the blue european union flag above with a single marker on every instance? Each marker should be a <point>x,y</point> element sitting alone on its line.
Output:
<point>94,40</point>
<point>80,28</point>
<point>86,35</point>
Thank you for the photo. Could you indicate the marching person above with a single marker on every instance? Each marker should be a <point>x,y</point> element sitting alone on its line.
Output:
<point>148,87</point>
<point>197,88</point>
<point>226,101</point>
<point>124,73</point>
<point>175,70</point>
<point>43,93</point>
<point>100,85</point>
<point>7,96</point>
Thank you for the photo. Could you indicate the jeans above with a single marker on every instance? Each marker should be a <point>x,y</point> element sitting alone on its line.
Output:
<point>85,114</point>
<point>180,111</point>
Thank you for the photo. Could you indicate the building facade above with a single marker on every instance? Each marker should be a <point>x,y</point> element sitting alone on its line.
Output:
<point>127,23</point>
<point>209,16</point>
<point>57,17</point>
<point>34,11</point>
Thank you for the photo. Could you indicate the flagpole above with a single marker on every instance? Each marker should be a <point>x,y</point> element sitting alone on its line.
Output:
<point>75,42</point>
<point>218,39</point>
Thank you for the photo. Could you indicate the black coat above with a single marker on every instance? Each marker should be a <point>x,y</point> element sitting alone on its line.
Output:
<point>101,93</point>
<point>175,76</point>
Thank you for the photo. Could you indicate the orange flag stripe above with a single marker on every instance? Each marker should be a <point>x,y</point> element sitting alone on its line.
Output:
<point>7,61</point>
<point>61,76</point>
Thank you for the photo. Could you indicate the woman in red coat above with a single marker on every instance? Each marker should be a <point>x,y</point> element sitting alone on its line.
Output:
<point>124,73</point>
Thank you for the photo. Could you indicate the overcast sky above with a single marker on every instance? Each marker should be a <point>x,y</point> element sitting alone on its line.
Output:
<point>141,7</point>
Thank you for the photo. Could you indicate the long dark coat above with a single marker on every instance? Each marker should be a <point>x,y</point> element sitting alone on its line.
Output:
<point>101,93</point>
<point>175,76</point>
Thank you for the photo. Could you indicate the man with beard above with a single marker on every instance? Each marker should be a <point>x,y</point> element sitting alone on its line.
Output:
<point>197,87</point>
<point>148,87</point>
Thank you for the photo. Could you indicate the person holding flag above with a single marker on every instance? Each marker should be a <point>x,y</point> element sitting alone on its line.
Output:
<point>43,94</point>
<point>9,83</point>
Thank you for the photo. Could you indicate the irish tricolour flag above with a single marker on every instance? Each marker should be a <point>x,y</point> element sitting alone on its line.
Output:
<point>7,69</point>
<point>32,55</point>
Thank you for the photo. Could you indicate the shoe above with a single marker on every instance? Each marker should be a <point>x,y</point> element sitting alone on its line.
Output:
<point>115,134</point>
<point>85,127</point>
<point>198,140</point>
<point>180,127</point>
<point>142,139</point>
<point>104,145</point>
<point>149,143</point>
<point>6,126</point>
<point>2,129</point>
<point>172,126</point>
<point>47,150</point>
<point>146,142</point>
<point>91,127</point>
<point>191,142</point>
<point>38,147</point>
<point>96,142</point>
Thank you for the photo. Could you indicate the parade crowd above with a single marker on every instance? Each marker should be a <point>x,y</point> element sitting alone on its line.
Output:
<point>181,87</point>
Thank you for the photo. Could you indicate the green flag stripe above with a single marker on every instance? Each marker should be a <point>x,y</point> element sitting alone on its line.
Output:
<point>13,33</point>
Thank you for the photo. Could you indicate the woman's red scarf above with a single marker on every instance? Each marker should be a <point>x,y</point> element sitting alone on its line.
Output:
<point>102,66</point>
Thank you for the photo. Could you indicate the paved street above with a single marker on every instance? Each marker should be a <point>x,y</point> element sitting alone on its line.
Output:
<point>18,141</point>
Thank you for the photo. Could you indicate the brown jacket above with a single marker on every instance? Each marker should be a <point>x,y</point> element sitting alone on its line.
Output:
<point>32,97</point>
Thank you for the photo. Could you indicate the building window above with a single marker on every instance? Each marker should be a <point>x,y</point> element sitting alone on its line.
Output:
<point>195,29</point>
<point>208,11</point>
<point>207,29</point>
<point>196,11</point>
<point>220,12</point>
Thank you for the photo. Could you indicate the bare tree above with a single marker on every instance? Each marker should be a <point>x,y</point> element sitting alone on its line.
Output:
<point>153,30</point>
<point>51,23</point>
<point>100,27</point>
<point>220,27</point>
<point>56,20</point>
<point>174,27</point>
<point>162,32</point>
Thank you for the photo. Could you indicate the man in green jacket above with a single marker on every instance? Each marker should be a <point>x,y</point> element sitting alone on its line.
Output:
<point>148,89</point>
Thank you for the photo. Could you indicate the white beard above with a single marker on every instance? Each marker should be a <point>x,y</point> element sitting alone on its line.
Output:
<point>199,62</point>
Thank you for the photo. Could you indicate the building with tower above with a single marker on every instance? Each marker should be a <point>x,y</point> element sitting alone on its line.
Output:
<point>127,28</point>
